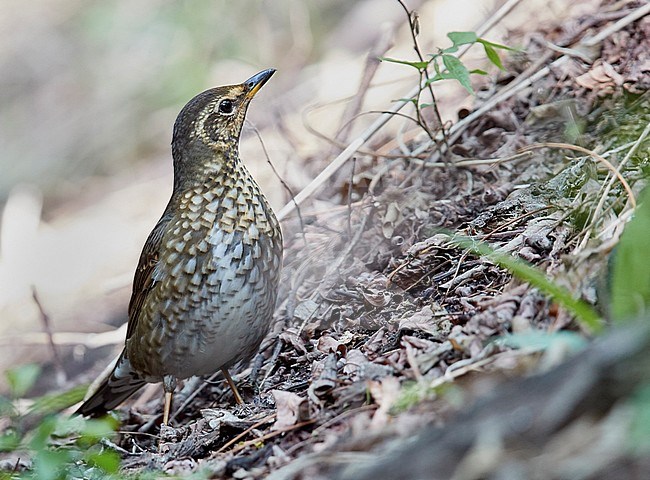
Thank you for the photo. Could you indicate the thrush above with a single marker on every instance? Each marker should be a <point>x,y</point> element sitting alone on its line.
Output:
<point>206,284</point>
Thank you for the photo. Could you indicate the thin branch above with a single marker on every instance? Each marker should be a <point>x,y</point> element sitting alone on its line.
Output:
<point>424,79</point>
<point>284,184</point>
<point>47,328</point>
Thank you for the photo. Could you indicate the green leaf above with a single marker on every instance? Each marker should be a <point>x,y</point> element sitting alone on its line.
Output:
<point>457,71</point>
<point>482,41</point>
<point>478,71</point>
<point>58,401</point>
<point>48,464</point>
<point>462,38</point>
<point>43,434</point>
<point>9,441</point>
<point>582,311</point>
<point>7,408</point>
<point>538,340</point>
<point>452,49</point>
<point>639,438</point>
<point>493,56</point>
<point>107,460</point>
<point>418,65</point>
<point>439,76</point>
<point>99,428</point>
<point>436,66</point>
<point>410,100</point>
<point>22,378</point>
<point>630,285</point>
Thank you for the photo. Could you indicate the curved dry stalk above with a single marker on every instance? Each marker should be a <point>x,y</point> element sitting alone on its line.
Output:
<point>472,162</point>
<point>596,212</point>
<point>285,185</point>
<point>593,154</point>
<point>608,187</point>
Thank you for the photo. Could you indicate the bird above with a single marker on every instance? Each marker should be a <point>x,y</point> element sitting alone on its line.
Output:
<point>205,287</point>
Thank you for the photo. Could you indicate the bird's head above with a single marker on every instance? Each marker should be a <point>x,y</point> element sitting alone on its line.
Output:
<point>207,129</point>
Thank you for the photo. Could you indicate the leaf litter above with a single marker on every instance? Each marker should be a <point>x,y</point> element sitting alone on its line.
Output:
<point>383,324</point>
<point>381,317</point>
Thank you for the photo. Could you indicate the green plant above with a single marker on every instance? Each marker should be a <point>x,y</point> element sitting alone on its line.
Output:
<point>445,65</point>
<point>630,272</point>
<point>58,446</point>
<point>449,67</point>
<point>585,315</point>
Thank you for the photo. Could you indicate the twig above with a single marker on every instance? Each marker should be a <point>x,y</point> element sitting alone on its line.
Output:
<point>246,432</point>
<point>318,430</point>
<point>472,162</point>
<point>372,63</point>
<point>615,27</point>
<point>459,278</point>
<point>513,221</point>
<point>357,143</point>
<point>608,187</point>
<point>90,340</point>
<point>354,164</point>
<point>137,433</point>
<point>272,361</point>
<point>107,443</point>
<point>410,356</point>
<point>284,184</point>
<point>270,435</point>
<point>424,78</point>
<point>45,320</point>
<point>193,395</point>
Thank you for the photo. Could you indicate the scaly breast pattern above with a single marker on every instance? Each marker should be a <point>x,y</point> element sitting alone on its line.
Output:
<point>215,282</point>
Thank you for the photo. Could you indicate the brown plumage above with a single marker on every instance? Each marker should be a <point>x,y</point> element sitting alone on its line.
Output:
<point>206,284</point>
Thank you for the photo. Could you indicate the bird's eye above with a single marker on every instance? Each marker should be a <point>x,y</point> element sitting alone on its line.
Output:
<point>226,106</point>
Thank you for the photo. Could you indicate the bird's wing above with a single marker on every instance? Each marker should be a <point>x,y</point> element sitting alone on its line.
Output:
<point>143,282</point>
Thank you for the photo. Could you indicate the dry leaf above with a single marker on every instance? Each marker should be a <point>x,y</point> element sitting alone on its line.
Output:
<point>328,344</point>
<point>385,392</point>
<point>291,409</point>
<point>421,320</point>
<point>391,218</point>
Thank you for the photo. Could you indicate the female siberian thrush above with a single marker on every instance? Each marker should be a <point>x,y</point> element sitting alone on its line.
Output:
<point>205,287</point>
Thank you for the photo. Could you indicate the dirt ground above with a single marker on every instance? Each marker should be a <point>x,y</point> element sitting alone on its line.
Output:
<point>392,343</point>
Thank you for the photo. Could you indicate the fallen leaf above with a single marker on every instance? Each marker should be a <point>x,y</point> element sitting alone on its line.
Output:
<point>291,409</point>
<point>385,393</point>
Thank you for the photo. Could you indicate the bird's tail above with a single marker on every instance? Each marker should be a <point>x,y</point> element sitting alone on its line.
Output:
<point>122,382</point>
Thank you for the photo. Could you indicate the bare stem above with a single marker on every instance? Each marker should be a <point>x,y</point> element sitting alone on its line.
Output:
<point>424,74</point>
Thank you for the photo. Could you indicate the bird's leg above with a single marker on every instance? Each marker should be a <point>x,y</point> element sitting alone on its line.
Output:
<point>233,387</point>
<point>169,385</point>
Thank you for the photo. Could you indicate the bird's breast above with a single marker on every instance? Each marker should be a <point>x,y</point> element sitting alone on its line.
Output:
<point>218,233</point>
<point>215,282</point>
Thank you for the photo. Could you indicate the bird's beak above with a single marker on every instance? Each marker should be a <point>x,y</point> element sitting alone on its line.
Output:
<point>254,83</point>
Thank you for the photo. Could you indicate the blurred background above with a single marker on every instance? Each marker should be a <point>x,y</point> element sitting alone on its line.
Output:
<point>89,91</point>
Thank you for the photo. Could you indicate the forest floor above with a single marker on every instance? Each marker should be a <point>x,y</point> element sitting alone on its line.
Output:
<point>386,326</point>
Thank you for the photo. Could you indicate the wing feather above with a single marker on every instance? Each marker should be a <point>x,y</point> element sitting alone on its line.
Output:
<point>143,281</point>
